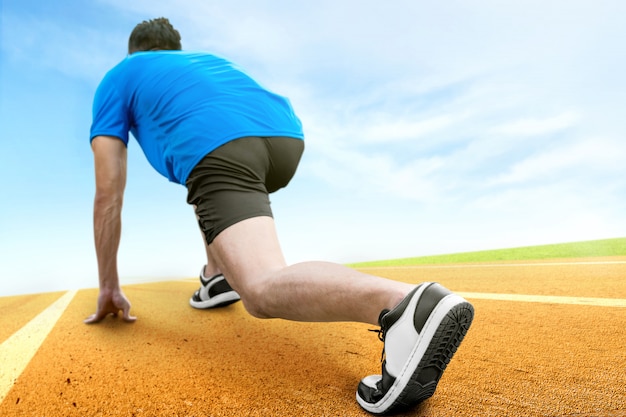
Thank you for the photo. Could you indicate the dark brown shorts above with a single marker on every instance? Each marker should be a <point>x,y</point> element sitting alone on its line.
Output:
<point>233,182</point>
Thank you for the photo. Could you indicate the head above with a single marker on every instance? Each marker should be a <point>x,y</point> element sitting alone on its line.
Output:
<point>154,35</point>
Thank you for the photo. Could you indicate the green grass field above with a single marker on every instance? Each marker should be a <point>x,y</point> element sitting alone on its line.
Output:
<point>587,249</point>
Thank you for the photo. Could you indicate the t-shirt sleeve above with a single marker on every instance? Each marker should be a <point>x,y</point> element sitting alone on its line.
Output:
<point>109,112</point>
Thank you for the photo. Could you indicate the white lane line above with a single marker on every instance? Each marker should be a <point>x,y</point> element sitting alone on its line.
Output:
<point>549,299</point>
<point>17,351</point>
<point>494,265</point>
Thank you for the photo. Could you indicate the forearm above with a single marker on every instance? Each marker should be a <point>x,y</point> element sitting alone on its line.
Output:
<point>107,225</point>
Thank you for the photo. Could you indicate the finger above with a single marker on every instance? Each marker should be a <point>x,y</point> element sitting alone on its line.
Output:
<point>126,315</point>
<point>93,319</point>
<point>130,319</point>
<point>97,317</point>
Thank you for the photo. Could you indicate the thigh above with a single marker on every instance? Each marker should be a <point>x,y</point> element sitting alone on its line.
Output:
<point>248,253</point>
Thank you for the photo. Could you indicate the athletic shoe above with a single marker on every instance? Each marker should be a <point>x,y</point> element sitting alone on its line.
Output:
<point>213,292</point>
<point>420,336</point>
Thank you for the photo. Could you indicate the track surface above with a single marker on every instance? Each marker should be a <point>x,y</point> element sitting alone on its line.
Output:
<point>523,356</point>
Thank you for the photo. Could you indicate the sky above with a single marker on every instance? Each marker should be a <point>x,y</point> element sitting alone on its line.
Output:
<point>431,128</point>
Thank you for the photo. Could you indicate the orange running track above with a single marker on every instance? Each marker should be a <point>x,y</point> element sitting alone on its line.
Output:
<point>548,339</point>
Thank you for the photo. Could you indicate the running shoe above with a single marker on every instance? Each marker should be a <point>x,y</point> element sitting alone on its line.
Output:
<point>214,292</point>
<point>420,337</point>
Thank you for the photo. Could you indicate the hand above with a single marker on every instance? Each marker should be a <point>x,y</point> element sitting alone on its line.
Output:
<point>111,302</point>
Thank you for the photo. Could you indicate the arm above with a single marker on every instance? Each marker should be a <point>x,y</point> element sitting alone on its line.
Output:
<point>110,169</point>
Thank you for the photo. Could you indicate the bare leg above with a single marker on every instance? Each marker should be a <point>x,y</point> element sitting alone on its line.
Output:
<point>211,268</point>
<point>249,254</point>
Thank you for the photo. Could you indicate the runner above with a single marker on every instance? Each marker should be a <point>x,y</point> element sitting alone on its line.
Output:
<point>204,123</point>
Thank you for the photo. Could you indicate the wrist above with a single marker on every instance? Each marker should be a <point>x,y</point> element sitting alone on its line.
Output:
<point>109,284</point>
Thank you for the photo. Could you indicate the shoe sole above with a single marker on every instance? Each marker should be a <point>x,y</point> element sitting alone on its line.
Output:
<point>441,336</point>
<point>221,300</point>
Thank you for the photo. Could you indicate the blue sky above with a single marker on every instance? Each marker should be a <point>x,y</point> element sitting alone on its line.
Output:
<point>432,127</point>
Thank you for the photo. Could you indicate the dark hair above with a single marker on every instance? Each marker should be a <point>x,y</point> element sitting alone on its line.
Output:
<point>155,34</point>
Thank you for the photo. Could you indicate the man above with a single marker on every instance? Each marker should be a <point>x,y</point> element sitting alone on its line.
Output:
<point>205,124</point>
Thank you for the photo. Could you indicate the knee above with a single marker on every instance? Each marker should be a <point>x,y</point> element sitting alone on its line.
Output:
<point>255,302</point>
<point>255,309</point>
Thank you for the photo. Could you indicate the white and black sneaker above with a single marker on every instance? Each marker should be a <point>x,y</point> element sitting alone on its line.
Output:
<point>420,337</point>
<point>213,292</point>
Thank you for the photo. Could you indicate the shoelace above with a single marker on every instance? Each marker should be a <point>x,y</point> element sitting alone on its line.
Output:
<point>381,337</point>
<point>381,332</point>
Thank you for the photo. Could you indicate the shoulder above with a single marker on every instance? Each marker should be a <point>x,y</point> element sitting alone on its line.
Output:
<point>112,77</point>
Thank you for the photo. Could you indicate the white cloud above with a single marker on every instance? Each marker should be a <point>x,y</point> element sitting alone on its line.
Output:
<point>584,158</point>
<point>378,175</point>
<point>391,129</point>
<point>535,126</point>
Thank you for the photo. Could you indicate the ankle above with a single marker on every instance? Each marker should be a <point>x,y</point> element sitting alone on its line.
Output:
<point>207,272</point>
<point>396,298</point>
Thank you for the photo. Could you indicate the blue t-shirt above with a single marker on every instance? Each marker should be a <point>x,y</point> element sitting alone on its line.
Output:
<point>180,106</point>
